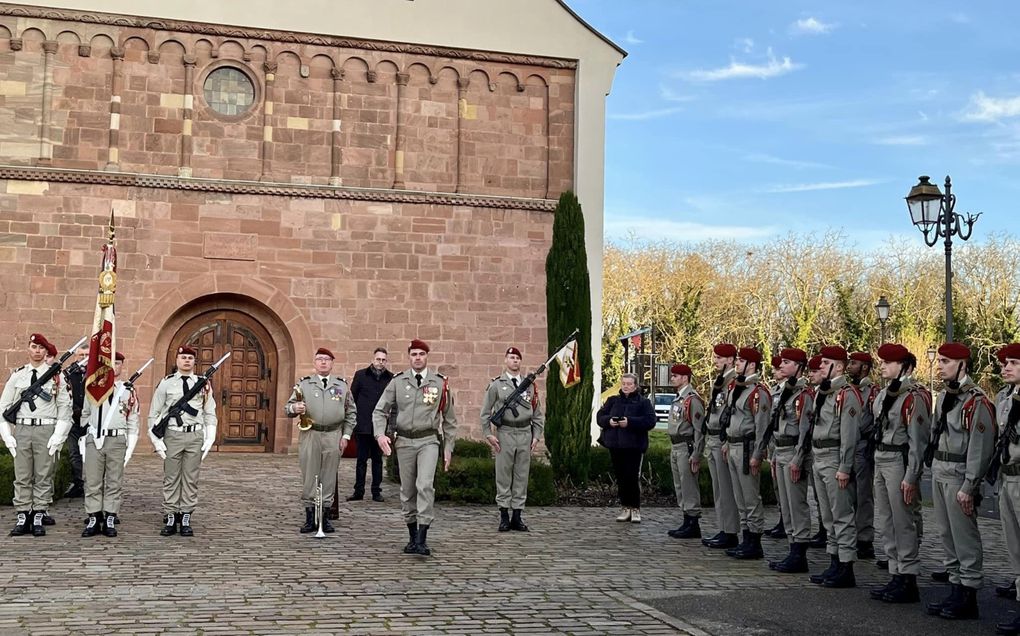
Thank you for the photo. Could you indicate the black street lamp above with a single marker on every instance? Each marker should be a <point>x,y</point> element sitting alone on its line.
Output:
<point>932,354</point>
<point>882,311</point>
<point>933,213</point>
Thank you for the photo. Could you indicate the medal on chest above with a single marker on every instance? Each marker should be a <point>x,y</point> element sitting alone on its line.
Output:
<point>429,394</point>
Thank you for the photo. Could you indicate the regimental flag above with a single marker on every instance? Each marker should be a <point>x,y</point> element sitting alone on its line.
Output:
<point>99,375</point>
<point>570,368</point>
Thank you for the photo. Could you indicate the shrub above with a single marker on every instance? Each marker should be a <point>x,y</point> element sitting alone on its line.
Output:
<point>61,476</point>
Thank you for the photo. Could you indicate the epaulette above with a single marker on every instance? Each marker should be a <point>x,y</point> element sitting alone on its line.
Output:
<point>495,378</point>
<point>19,368</point>
<point>167,377</point>
<point>438,374</point>
<point>307,377</point>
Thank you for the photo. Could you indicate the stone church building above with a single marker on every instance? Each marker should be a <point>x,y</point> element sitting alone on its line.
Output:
<point>338,173</point>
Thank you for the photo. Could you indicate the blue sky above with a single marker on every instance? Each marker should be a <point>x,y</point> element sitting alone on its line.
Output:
<point>747,120</point>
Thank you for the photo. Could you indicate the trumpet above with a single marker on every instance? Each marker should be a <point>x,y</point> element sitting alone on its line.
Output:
<point>305,421</point>
<point>319,510</point>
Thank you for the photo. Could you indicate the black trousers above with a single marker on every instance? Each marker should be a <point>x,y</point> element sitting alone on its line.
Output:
<point>627,466</point>
<point>76,458</point>
<point>368,449</point>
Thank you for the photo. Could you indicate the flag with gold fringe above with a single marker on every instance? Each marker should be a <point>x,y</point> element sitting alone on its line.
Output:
<point>570,367</point>
<point>99,376</point>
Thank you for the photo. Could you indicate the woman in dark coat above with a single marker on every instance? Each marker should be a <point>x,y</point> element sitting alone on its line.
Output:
<point>625,420</point>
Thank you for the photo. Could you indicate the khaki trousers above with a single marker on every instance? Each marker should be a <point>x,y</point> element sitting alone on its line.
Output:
<point>838,506</point>
<point>418,459</point>
<point>961,542</point>
<point>722,488</point>
<point>685,483</point>
<point>181,469</point>
<point>33,468</point>
<point>893,518</point>
<point>513,464</point>
<point>864,478</point>
<point>1009,512</point>
<point>319,457</point>
<point>793,496</point>
<point>746,492</point>
<point>104,474</point>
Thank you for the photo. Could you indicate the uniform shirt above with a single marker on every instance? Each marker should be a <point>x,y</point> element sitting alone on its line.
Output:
<point>687,417</point>
<point>868,392</point>
<point>716,405</point>
<point>170,389</point>
<point>907,422</point>
<point>330,407</point>
<point>499,388</point>
<point>794,419</point>
<point>418,407</point>
<point>125,417</point>
<point>970,431</point>
<point>54,403</point>
<point>1006,400</point>
<point>750,409</point>
<point>840,419</point>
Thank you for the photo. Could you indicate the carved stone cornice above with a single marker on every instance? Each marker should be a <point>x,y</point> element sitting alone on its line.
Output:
<point>95,17</point>
<point>165,182</point>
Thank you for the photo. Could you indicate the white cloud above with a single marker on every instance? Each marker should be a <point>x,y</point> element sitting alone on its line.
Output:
<point>632,39</point>
<point>825,185</point>
<point>744,44</point>
<point>991,109</point>
<point>811,26</point>
<point>669,95</point>
<point>773,67</point>
<point>658,229</point>
<point>778,161</point>
<point>644,115</point>
<point>902,140</point>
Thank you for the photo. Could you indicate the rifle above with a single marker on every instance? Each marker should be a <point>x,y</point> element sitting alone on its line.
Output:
<point>947,405</point>
<point>181,406</point>
<point>1009,435</point>
<point>29,395</point>
<point>777,411</point>
<point>727,413</point>
<point>819,403</point>
<point>515,400</point>
<point>126,386</point>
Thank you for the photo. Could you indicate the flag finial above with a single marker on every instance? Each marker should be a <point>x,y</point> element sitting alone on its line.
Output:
<point>112,233</point>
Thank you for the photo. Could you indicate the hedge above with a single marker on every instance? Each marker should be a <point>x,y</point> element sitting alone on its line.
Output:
<point>61,478</point>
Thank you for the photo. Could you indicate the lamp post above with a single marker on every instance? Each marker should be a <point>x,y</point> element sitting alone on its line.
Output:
<point>933,213</point>
<point>932,352</point>
<point>882,311</point>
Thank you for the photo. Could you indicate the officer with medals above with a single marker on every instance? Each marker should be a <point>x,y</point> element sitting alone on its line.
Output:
<point>326,407</point>
<point>686,420</point>
<point>513,441</point>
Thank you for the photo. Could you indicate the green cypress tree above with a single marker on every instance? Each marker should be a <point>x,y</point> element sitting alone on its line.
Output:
<point>568,306</point>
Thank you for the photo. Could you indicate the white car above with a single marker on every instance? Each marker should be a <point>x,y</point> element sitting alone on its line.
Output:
<point>663,402</point>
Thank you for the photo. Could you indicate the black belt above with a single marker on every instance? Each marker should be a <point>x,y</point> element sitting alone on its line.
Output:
<point>713,432</point>
<point>825,443</point>
<point>1011,470</point>
<point>516,424</point>
<point>35,421</point>
<point>893,448</point>
<point>325,429</point>
<point>740,439</point>
<point>113,433</point>
<point>784,441</point>
<point>186,429</point>
<point>682,439</point>
<point>418,434</point>
<point>945,456</point>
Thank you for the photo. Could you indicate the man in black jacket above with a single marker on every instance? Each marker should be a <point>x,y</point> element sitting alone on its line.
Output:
<point>366,388</point>
<point>75,376</point>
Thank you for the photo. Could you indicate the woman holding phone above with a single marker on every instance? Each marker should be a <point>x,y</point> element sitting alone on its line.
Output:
<point>625,420</point>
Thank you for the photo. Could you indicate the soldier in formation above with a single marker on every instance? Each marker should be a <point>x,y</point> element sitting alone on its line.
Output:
<point>724,358</point>
<point>686,433</point>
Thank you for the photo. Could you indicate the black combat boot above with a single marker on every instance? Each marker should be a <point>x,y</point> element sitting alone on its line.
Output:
<point>965,607</point>
<point>110,525</point>
<point>935,607</point>
<point>752,549</point>
<point>37,523</point>
<point>865,550</point>
<point>516,523</point>
<point>423,547</point>
<point>732,552</point>
<point>693,530</point>
<point>326,525</point>
<point>818,579</point>
<point>778,531</point>
<point>907,592</point>
<point>47,520</point>
<point>725,541</point>
<point>504,520</point>
<point>75,490</point>
<point>1009,629</point>
<point>878,593</point>
<point>91,526</point>
<point>820,540</point>
<point>170,527</point>
<point>22,523</point>
<point>675,532</point>
<point>186,530</point>
<point>412,542</point>
<point>709,542</point>
<point>843,578</point>
<point>309,521</point>
<point>1006,591</point>
<point>796,562</point>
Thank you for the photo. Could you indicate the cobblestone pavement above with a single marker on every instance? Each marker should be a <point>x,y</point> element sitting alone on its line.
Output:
<point>248,571</point>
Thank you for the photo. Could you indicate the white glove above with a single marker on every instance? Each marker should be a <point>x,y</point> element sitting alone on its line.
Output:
<point>132,440</point>
<point>210,436</point>
<point>8,437</point>
<point>81,445</point>
<point>59,436</point>
<point>158,444</point>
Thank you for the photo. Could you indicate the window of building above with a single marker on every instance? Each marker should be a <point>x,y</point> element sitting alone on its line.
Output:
<point>229,91</point>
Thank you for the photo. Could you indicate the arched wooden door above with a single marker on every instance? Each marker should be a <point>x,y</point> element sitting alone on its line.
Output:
<point>244,387</point>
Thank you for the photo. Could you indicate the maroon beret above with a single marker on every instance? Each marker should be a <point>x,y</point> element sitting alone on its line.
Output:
<point>725,350</point>
<point>794,355</point>
<point>955,351</point>
<point>750,354</point>
<point>891,352</point>
<point>119,357</point>
<point>186,351</point>
<point>418,344</point>
<point>39,339</point>
<point>1009,351</point>
<point>776,361</point>
<point>862,356</point>
<point>323,351</point>
<point>513,350</point>
<point>680,369</point>
<point>834,352</point>
<point>815,363</point>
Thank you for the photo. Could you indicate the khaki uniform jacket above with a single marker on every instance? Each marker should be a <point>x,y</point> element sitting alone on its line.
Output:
<point>170,389</point>
<point>1006,399</point>
<point>687,417</point>
<point>497,392</point>
<point>418,407</point>
<point>716,405</point>
<point>794,420</point>
<point>840,419</point>
<point>58,407</point>
<point>750,411</point>
<point>124,419</point>
<point>908,422</point>
<point>869,392</point>
<point>330,408</point>
<point>970,431</point>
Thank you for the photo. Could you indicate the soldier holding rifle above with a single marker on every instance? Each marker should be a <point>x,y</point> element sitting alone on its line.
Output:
<point>1007,403</point>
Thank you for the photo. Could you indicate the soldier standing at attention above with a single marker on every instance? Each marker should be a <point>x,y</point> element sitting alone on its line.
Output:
<point>426,424</point>
<point>724,356</point>
<point>1007,403</point>
<point>777,531</point>
<point>109,443</point>
<point>686,419</point>
<point>962,443</point>
<point>325,405</point>
<point>513,441</point>
<point>184,446</point>
<point>902,415</point>
<point>37,436</point>
<point>858,368</point>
